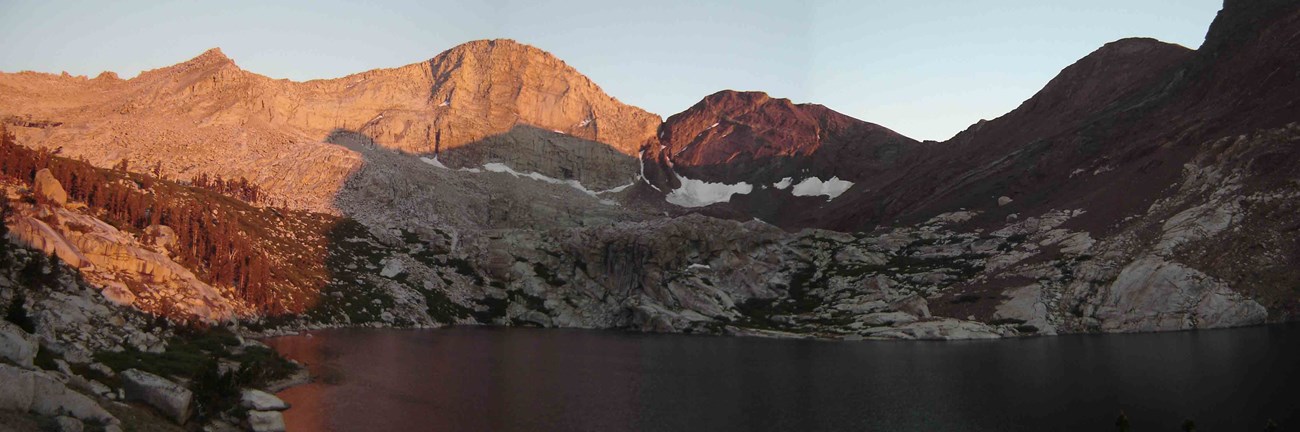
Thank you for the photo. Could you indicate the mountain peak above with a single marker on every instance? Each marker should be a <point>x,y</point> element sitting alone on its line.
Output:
<point>212,55</point>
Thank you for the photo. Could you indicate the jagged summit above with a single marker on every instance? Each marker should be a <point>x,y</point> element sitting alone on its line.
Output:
<point>212,55</point>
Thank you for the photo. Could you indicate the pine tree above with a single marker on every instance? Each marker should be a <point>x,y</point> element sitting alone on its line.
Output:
<point>17,313</point>
<point>4,229</point>
<point>33,274</point>
<point>56,270</point>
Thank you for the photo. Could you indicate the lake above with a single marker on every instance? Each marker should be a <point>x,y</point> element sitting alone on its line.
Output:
<point>517,379</point>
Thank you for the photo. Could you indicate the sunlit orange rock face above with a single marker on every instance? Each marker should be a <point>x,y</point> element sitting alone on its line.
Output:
<point>207,115</point>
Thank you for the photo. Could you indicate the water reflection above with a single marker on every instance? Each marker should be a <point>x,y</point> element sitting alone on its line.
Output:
<point>528,380</point>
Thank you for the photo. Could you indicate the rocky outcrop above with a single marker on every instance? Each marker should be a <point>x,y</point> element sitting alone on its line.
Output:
<point>169,398</point>
<point>40,393</point>
<point>113,260</point>
<point>1153,295</point>
<point>37,234</point>
<point>16,345</point>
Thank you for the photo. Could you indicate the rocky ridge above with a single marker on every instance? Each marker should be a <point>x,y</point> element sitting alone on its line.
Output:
<point>472,95</point>
<point>1014,227</point>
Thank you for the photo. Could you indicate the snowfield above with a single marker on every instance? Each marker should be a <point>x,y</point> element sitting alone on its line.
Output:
<point>699,193</point>
<point>814,186</point>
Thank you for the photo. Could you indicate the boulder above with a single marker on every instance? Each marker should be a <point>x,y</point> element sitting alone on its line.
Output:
<point>1004,200</point>
<point>392,268</point>
<point>118,293</point>
<point>47,187</point>
<point>51,397</point>
<point>16,345</point>
<point>164,237</point>
<point>170,398</point>
<point>265,421</point>
<point>68,424</point>
<point>258,400</point>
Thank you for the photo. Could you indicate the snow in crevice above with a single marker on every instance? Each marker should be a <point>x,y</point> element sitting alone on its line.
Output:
<point>699,193</point>
<point>616,189</point>
<point>813,186</point>
<point>438,164</point>
<point>640,157</point>
<point>584,122</point>
<point>712,126</point>
<point>784,183</point>
<point>699,266</point>
<point>498,167</point>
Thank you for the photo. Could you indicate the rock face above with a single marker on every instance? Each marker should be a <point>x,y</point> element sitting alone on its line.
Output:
<point>171,399</point>
<point>1154,295</point>
<point>49,188</point>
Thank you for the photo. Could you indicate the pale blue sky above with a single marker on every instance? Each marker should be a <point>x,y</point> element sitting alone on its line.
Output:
<point>927,69</point>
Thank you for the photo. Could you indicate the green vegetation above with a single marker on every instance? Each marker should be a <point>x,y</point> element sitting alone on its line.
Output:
<point>190,354</point>
<point>197,356</point>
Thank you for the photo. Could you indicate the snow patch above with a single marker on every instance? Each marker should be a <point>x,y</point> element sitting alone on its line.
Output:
<point>712,126</point>
<point>698,266</point>
<point>813,186</point>
<point>434,162</point>
<point>784,183</point>
<point>699,193</point>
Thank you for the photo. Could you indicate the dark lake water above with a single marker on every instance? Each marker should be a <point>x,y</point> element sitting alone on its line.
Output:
<point>492,379</point>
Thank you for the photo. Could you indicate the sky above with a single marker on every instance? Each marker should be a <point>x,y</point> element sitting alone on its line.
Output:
<point>927,69</point>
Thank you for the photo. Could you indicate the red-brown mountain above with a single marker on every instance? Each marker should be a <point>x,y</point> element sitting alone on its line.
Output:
<point>770,145</point>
